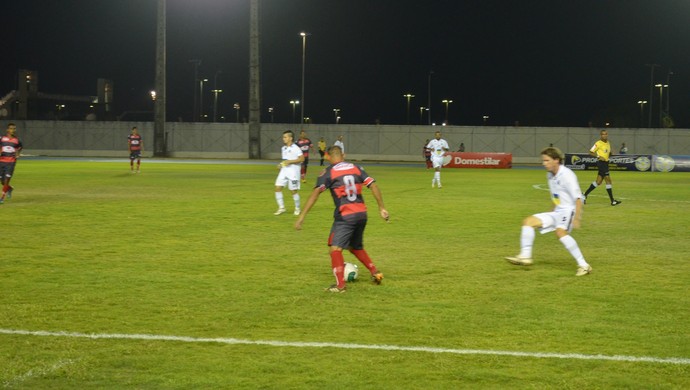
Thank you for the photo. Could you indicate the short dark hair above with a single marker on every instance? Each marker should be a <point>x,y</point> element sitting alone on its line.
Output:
<point>335,147</point>
<point>554,153</point>
<point>289,132</point>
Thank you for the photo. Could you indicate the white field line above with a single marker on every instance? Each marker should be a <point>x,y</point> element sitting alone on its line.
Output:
<point>545,187</point>
<point>17,380</point>
<point>275,343</point>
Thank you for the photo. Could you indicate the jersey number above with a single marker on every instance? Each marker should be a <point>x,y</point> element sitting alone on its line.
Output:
<point>350,188</point>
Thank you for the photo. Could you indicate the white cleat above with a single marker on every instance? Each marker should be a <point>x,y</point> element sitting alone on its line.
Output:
<point>297,211</point>
<point>280,211</point>
<point>519,260</point>
<point>582,271</point>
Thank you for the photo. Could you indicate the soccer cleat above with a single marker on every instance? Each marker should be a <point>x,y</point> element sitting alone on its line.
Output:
<point>297,211</point>
<point>519,260</point>
<point>433,183</point>
<point>584,199</point>
<point>335,289</point>
<point>584,271</point>
<point>439,185</point>
<point>280,211</point>
<point>615,202</point>
<point>377,278</point>
<point>9,193</point>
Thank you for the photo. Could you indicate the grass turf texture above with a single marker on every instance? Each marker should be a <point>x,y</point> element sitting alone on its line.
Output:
<point>194,250</point>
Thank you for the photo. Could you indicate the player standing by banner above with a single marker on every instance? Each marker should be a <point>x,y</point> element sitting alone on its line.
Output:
<point>289,172</point>
<point>346,180</point>
<point>10,146</point>
<point>322,149</point>
<point>602,150</point>
<point>136,146</point>
<point>304,144</point>
<point>438,147</point>
<point>566,214</point>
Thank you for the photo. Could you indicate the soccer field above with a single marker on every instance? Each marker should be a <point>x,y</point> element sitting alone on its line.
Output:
<point>182,277</point>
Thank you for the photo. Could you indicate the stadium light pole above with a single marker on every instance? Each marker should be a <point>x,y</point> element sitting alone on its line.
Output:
<point>408,96</point>
<point>201,98</point>
<point>236,106</point>
<point>304,61</point>
<point>270,111</point>
<point>294,103</point>
<point>428,103</point>
<point>446,102</point>
<point>215,103</point>
<point>641,103</point>
<point>336,111</point>
<point>421,114</point>
<point>661,102</point>
<point>651,92</point>
<point>668,93</point>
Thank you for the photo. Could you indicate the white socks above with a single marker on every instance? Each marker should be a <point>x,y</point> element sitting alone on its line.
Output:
<point>526,242</point>
<point>572,247</point>
<point>295,197</point>
<point>279,200</point>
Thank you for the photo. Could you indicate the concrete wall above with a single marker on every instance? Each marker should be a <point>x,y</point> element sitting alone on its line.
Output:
<point>362,142</point>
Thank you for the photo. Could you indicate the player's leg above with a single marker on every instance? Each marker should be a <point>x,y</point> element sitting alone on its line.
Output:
<point>571,245</point>
<point>609,190</point>
<point>138,163</point>
<point>357,249</point>
<point>294,186</point>
<point>338,239</point>
<point>3,180</point>
<point>527,235</point>
<point>280,183</point>
<point>303,170</point>
<point>6,170</point>
<point>338,267</point>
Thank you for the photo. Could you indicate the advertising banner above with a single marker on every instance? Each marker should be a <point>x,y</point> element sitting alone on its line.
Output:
<point>620,162</point>
<point>478,160</point>
<point>671,163</point>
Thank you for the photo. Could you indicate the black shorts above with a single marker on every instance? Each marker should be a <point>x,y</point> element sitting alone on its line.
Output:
<point>135,155</point>
<point>6,169</point>
<point>603,167</point>
<point>347,234</point>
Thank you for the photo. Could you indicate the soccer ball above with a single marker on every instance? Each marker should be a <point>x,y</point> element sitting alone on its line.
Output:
<point>351,272</point>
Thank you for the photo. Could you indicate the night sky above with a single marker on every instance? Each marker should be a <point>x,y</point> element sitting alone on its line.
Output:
<point>539,62</point>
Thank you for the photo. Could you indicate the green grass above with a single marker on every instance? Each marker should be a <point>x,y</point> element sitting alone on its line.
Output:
<point>193,250</point>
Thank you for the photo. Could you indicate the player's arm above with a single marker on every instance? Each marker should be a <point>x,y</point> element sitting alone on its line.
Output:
<point>593,151</point>
<point>577,219</point>
<point>379,200</point>
<point>576,193</point>
<point>310,203</point>
<point>298,160</point>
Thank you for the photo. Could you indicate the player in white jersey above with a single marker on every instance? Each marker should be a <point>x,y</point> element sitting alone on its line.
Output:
<point>289,174</point>
<point>438,148</point>
<point>566,215</point>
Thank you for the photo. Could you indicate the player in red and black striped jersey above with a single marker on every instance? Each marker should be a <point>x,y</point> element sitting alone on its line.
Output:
<point>10,146</point>
<point>305,145</point>
<point>136,146</point>
<point>345,182</point>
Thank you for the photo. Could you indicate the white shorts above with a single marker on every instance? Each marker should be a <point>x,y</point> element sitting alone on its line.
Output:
<point>437,161</point>
<point>284,180</point>
<point>558,219</point>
